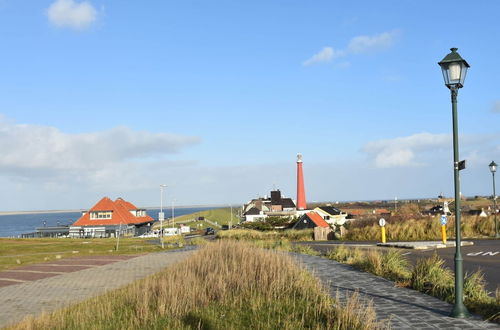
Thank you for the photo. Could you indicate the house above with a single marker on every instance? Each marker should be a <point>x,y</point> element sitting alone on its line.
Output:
<point>310,220</point>
<point>262,207</point>
<point>331,215</point>
<point>109,218</point>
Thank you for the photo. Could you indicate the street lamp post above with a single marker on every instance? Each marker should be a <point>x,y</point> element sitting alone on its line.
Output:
<point>173,213</point>
<point>493,169</point>
<point>231,221</point>
<point>454,69</point>
<point>161,215</point>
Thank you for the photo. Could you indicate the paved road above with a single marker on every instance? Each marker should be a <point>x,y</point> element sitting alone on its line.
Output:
<point>484,255</point>
<point>46,287</point>
<point>406,309</point>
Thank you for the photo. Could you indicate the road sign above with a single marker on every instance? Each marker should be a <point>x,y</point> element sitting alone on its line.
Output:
<point>161,216</point>
<point>444,219</point>
<point>381,222</point>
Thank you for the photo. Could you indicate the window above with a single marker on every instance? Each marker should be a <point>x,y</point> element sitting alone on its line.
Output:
<point>98,215</point>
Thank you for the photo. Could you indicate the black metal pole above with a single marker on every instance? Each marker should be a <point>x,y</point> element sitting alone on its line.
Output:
<point>495,207</point>
<point>459,309</point>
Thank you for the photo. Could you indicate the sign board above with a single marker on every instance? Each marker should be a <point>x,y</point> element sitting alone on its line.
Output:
<point>444,220</point>
<point>381,222</point>
<point>461,165</point>
<point>161,216</point>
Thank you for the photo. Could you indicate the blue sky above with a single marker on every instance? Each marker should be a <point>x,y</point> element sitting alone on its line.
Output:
<point>216,98</point>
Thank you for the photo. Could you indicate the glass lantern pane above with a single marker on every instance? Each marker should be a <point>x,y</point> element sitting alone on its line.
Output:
<point>444,70</point>
<point>455,70</point>
<point>464,73</point>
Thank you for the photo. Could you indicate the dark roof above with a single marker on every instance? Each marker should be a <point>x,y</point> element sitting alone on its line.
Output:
<point>330,210</point>
<point>252,211</point>
<point>287,203</point>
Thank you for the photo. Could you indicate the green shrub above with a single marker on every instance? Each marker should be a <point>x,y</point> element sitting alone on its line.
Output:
<point>429,276</point>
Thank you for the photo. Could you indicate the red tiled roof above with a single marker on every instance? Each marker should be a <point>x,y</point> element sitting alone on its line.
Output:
<point>317,219</point>
<point>121,214</point>
<point>356,212</point>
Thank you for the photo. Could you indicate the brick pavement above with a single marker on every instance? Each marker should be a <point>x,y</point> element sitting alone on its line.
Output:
<point>54,285</point>
<point>405,308</point>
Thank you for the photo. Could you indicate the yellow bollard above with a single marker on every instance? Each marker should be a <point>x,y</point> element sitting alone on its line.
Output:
<point>443,233</point>
<point>383,234</point>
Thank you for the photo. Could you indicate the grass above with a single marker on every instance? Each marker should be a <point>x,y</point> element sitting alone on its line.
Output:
<point>220,215</point>
<point>249,234</point>
<point>225,285</point>
<point>429,275</point>
<point>421,228</point>
<point>16,252</point>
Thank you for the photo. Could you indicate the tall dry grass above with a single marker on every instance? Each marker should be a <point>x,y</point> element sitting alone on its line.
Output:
<point>423,228</point>
<point>250,234</point>
<point>225,285</point>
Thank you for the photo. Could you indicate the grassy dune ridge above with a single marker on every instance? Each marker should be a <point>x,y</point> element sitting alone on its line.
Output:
<point>225,285</point>
<point>420,228</point>
<point>220,215</point>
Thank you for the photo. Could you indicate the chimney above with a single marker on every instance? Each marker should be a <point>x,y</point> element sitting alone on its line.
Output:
<point>301,194</point>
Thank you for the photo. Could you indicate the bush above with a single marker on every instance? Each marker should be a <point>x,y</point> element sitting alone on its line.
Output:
<point>248,234</point>
<point>429,276</point>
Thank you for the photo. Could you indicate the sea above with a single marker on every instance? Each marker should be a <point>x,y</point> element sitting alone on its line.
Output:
<point>13,225</point>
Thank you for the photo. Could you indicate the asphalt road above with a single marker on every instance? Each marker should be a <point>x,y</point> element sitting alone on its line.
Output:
<point>484,255</point>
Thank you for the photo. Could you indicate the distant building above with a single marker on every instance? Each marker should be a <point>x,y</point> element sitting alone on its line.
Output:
<point>331,215</point>
<point>109,218</point>
<point>310,220</point>
<point>276,205</point>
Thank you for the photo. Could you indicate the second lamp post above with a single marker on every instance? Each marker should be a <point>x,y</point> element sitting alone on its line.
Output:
<point>493,169</point>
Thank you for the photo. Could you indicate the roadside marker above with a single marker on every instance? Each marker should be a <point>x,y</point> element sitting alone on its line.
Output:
<point>381,222</point>
<point>444,220</point>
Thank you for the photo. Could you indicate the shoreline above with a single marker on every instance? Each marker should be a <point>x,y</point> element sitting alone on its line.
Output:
<point>81,210</point>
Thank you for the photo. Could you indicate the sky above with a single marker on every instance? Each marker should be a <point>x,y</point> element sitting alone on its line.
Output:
<point>216,98</point>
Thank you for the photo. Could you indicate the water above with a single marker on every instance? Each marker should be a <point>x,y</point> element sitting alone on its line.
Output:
<point>17,224</point>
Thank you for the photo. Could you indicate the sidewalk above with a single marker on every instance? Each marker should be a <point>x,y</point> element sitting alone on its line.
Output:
<point>46,287</point>
<point>405,308</point>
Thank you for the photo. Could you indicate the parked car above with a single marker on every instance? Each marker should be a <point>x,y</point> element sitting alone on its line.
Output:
<point>209,231</point>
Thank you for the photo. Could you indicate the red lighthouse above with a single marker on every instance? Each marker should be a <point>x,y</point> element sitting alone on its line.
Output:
<point>301,193</point>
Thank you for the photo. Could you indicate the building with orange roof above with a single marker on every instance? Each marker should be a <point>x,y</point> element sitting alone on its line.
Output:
<point>310,220</point>
<point>109,218</point>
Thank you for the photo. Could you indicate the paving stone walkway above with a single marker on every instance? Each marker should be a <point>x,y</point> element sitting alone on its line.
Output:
<point>34,289</point>
<point>405,308</point>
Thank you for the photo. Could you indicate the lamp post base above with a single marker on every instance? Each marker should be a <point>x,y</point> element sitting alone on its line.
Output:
<point>460,311</point>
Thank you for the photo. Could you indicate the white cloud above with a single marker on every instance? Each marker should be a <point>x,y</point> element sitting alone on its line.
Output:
<point>357,45</point>
<point>367,44</point>
<point>496,107</point>
<point>327,54</point>
<point>402,151</point>
<point>33,150</point>
<point>68,13</point>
